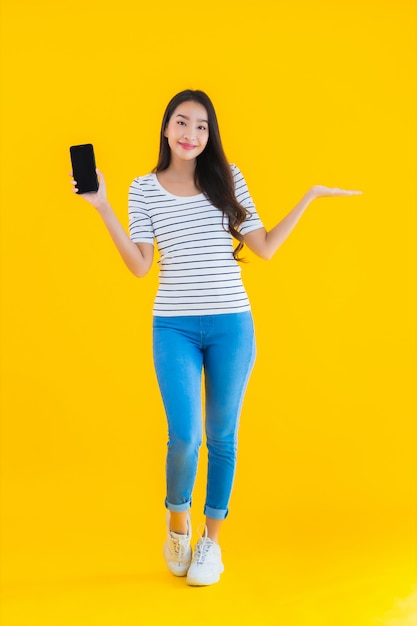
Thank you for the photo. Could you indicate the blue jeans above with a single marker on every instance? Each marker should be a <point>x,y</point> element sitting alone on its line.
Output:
<point>224,345</point>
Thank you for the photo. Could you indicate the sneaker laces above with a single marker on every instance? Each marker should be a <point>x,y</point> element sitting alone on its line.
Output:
<point>202,548</point>
<point>180,544</point>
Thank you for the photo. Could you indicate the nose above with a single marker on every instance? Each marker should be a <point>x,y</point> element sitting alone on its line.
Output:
<point>189,134</point>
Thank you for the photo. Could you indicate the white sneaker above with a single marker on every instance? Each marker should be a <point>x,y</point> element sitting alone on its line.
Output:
<point>206,565</point>
<point>177,550</point>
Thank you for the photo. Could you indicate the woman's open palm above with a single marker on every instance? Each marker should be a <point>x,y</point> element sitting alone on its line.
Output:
<point>320,191</point>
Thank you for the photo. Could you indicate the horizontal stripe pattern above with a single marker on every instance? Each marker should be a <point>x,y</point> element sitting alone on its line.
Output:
<point>197,272</point>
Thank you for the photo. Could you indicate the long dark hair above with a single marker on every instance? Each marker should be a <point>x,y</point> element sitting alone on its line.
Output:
<point>213,175</point>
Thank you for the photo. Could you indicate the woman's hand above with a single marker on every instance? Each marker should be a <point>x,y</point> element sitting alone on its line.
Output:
<point>97,198</point>
<point>320,191</point>
<point>266,243</point>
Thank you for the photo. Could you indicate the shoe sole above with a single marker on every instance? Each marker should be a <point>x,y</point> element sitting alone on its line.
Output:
<point>179,574</point>
<point>193,582</point>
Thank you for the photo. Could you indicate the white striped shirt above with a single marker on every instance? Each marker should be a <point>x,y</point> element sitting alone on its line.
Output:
<point>198,274</point>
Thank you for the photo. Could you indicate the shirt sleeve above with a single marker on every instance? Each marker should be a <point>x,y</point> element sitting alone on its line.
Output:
<point>253,222</point>
<point>140,223</point>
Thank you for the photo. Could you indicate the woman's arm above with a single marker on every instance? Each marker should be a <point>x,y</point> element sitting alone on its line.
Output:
<point>138,257</point>
<point>266,243</point>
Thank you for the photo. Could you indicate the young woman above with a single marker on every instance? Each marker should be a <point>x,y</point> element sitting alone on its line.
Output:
<point>194,204</point>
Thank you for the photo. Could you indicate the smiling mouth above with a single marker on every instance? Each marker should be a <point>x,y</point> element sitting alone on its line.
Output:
<point>187,146</point>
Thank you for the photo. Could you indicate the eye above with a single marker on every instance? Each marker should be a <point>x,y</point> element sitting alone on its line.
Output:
<point>202,128</point>
<point>181,123</point>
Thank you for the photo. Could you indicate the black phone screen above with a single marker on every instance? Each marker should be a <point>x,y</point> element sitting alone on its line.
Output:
<point>84,167</point>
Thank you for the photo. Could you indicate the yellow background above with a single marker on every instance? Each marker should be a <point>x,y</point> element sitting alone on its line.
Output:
<point>322,523</point>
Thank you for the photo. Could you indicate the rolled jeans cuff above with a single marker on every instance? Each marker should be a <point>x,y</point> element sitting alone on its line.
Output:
<point>178,508</point>
<point>219,514</point>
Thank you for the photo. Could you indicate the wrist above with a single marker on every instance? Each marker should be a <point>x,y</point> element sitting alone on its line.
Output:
<point>310,195</point>
<point>103,206</point>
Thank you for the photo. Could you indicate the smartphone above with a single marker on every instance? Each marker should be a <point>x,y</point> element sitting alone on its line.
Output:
<point>84,167</point>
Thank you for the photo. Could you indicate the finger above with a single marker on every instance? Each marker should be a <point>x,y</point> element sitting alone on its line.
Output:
<point>345,192</point>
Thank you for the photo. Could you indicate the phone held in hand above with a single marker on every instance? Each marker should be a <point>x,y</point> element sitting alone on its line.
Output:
<point>84,167</point>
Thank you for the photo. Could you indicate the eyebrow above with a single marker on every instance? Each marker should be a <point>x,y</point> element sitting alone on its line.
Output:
<point>187,118</point>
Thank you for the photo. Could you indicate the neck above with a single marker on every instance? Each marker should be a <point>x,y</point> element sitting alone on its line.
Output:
<point>181,170</point>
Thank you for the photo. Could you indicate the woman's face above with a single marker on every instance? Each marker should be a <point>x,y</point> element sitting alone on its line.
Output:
<point>187,131</point>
